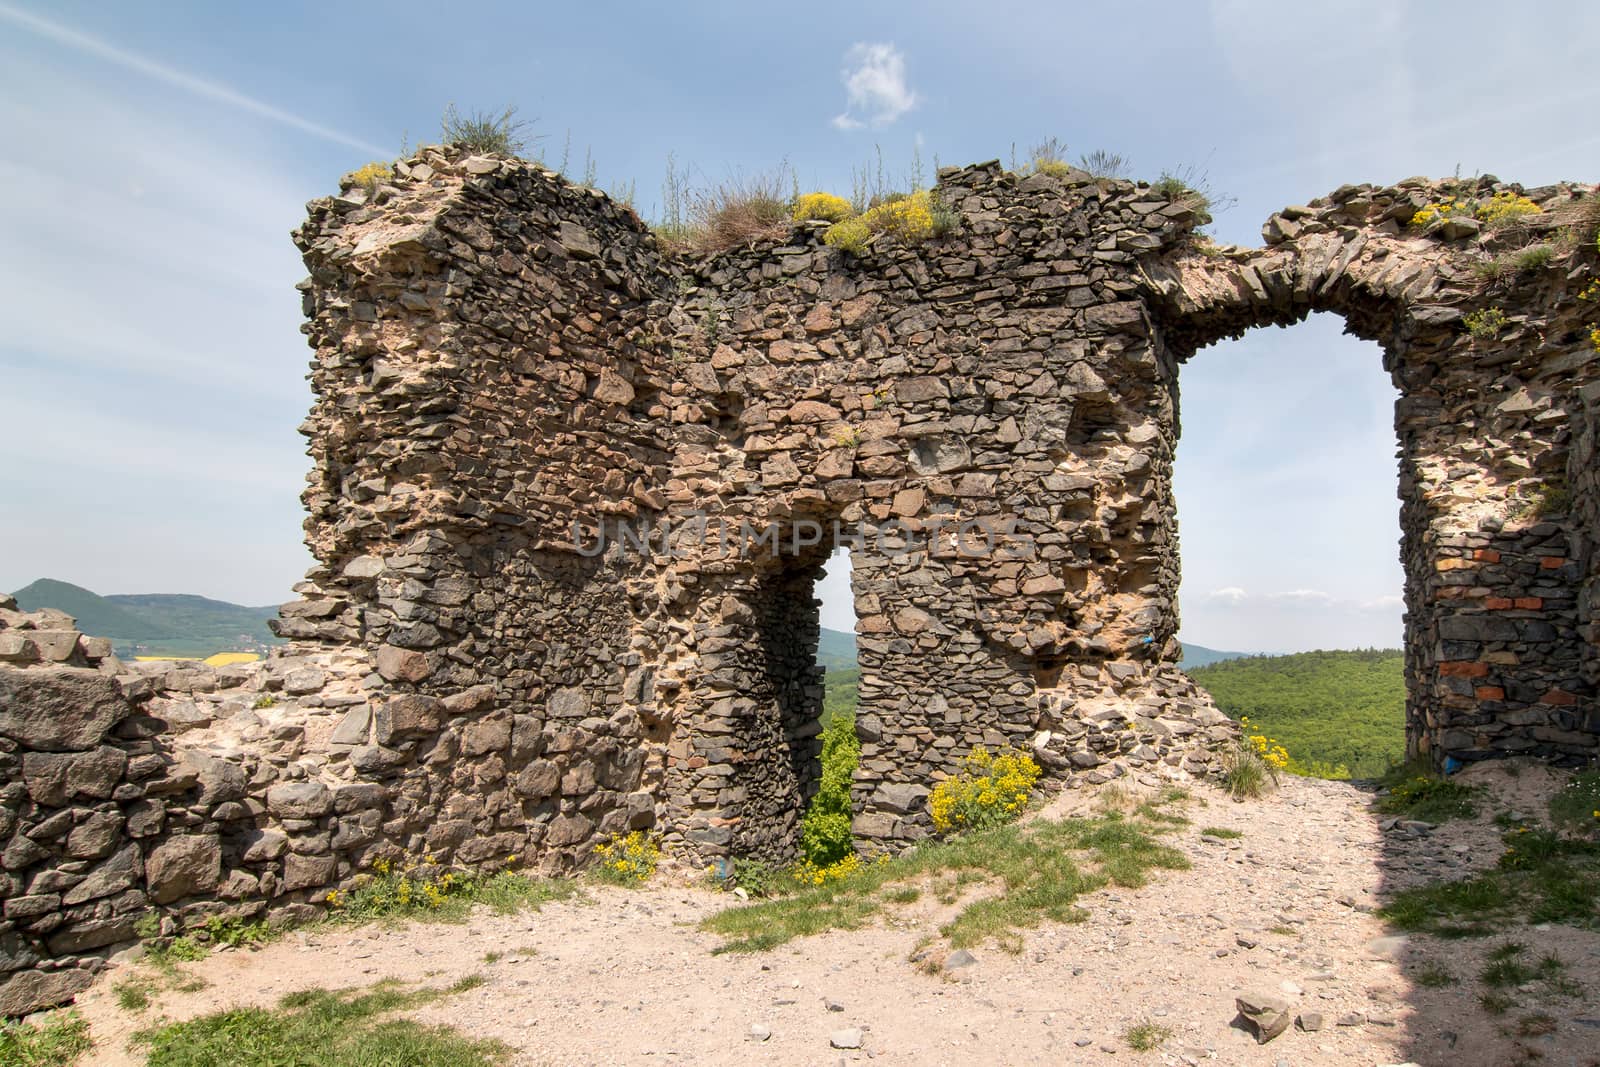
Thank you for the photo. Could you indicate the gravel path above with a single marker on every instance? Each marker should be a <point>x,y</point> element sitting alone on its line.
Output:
<point>627,978</point>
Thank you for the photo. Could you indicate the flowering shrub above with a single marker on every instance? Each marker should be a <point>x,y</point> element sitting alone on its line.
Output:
<point>987,791</point>
<point>810,874</point>
<point>824,206</point>
<point>1485,323</point>
<point>1272,753</point>
<point>421,887</point>
<point>1498,210</point>
<point>1448,208</point>
<point>1505,207</point>
<point>912,218</point>
<point>851,235</point>
<point>628,860</point>
<point>368,177</point>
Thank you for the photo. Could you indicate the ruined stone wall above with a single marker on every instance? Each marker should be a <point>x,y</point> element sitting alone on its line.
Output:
<point>571,495</point>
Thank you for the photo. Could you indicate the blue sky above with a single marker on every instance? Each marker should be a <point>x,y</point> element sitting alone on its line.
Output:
<point>158,155</point>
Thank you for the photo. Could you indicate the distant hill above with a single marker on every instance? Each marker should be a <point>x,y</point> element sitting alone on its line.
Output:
<point>1328,709</point>
<point>156,624</point>
<point>1201,656</point>
<point>836,650</point>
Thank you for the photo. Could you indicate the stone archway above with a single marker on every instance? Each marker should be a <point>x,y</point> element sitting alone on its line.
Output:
<point>1500,652</point>
<point>501,356</point>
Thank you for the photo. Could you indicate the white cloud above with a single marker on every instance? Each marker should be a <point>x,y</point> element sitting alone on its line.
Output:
<point>875,86</point>
<point>1230,594</point>
<point>1302,596</point>
<point>1384,603</point>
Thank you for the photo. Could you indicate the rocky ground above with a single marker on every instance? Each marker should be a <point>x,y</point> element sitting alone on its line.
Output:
<point>1283,911</point>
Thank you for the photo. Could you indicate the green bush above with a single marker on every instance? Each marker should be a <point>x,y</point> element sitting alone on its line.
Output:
<point>825,836</point>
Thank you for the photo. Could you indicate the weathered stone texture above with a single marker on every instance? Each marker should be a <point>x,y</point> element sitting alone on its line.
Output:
<point>571,495</point>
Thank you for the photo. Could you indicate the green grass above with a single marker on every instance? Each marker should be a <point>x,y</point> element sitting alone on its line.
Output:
<point>1339,714</point>
<point>1222,832</point>
<point>323,1028</point>
<point>1418,792</point>
<point>1146,1036</point>
<point>1245,774</point>
<point>400,896</point>
<point>1577,804</point>
<point>1433,976</point>
<point>56,1042</point>
<point>484,131</point>
<point>134,993</point>
<point>1541,877</point>
<point>1040,870</point>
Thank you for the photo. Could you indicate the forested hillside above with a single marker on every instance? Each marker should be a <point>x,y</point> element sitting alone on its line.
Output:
<point>1331,710</point>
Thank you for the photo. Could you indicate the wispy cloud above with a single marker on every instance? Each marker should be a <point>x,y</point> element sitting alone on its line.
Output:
<point>1302,596</point>
<point>875,86</point>
<point>1229,594</point>
<point>189,83</point>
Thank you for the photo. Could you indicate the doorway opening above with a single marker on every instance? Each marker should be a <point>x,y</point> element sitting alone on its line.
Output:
<point>1291,600</point>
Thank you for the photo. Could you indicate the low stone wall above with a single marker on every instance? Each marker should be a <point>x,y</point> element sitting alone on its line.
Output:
<point>185,792</point>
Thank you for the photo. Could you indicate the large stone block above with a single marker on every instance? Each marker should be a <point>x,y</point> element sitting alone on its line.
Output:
<point>183,866</point>
<point>25,992</point>
<point>55,778</point>
<point>59,709</point>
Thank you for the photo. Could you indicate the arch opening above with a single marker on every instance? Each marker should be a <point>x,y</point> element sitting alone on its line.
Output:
<point>1285,485</point>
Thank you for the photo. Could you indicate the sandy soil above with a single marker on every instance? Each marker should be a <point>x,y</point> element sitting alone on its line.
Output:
<point>626,977</point>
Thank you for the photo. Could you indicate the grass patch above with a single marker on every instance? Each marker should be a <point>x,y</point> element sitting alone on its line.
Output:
<point>1576,805</point>
<point>433,894</point>
<point>1222,832</point>
<point>322,1028</point>
<point>1433,976</point>
<point>1246,774</point>
<point>57,1042</point>
<point>483,131</point>
<point>135,993</point>
<point>1146,1036</point>
<point>1039,869</point>
<point>1417,792</point>
<point>1541,877</point>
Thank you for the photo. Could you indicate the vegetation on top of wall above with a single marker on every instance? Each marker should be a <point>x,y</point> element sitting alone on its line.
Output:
<point>483,131</point>
<point>1499,211</point>
<point>824,207</point>
<point>912,219</point>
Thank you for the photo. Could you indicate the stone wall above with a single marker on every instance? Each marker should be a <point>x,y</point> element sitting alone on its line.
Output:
<point>571,495</point>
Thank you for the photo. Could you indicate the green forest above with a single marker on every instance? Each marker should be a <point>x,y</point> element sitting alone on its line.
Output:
<point>1339,714</point>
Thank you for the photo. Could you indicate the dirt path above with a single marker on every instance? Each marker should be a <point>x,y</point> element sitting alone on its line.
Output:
<point>627,978</point>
